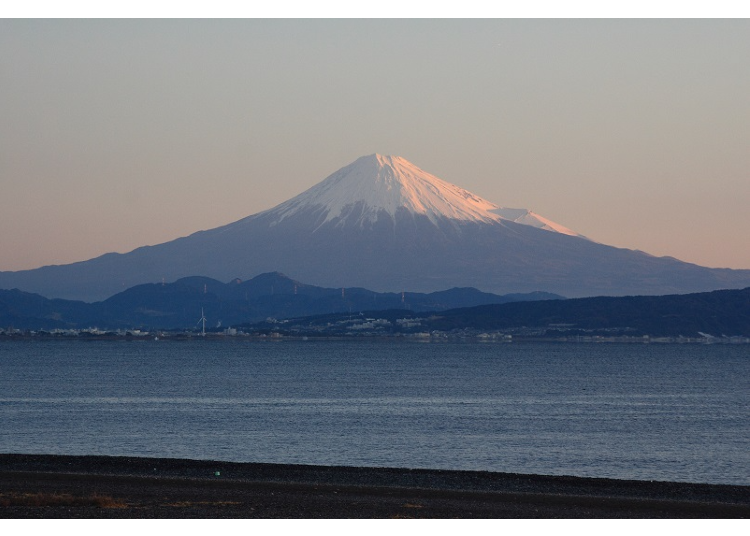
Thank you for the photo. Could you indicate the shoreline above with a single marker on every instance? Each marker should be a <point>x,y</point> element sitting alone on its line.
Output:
<point>166,336</point>
<point>178,488</point>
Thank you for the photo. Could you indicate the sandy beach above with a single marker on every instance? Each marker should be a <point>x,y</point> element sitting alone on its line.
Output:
<point>46,486</point>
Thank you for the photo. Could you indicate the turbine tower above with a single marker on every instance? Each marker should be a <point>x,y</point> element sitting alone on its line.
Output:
<point>202,319</point>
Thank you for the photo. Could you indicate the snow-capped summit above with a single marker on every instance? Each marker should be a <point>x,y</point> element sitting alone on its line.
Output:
<point>377,185</point>
<point>389,183</point>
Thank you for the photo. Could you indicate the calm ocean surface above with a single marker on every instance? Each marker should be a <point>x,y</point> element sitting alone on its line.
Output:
<point>647,412</point>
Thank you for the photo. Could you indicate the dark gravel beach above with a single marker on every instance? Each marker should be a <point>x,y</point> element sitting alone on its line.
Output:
<point>45,486</point>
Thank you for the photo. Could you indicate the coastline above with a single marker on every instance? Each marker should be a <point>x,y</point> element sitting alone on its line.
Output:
<point>177,488</point>
<point>162,336</point>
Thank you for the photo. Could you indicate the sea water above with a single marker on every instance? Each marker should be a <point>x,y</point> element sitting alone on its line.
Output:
<point>633,411</point>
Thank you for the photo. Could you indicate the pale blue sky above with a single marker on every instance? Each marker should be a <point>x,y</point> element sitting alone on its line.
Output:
<point>117,134</point>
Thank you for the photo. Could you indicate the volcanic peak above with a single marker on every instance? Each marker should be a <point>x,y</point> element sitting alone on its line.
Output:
<point>388,184</point>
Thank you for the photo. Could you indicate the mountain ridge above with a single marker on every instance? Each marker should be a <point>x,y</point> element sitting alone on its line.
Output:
<point>716,316</point>
<point>275,303</point>
<point>178,304</point>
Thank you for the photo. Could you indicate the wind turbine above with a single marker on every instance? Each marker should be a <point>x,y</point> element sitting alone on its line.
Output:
<point>202,319</point>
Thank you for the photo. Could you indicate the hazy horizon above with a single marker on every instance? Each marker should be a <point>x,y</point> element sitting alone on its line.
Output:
<point>115,134</point>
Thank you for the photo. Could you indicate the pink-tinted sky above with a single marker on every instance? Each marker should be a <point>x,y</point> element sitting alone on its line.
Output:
<point>117,134</point>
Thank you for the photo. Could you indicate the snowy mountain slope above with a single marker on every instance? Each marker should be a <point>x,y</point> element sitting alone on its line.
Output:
<point>527,217</point>
<point>378,186</point>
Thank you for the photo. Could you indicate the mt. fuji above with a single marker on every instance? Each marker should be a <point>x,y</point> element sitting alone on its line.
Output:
<point>383,223</point>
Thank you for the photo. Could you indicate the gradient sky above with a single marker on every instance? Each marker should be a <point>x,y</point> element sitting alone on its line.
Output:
<point>120,133</point>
